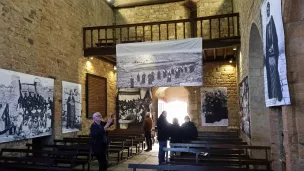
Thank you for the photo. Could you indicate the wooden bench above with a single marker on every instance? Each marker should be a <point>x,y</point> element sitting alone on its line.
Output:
<point>129,142</point>
<point>117,149</point>
<point>83,155</point>
<point>187,168</point>
<point>219,154</point>
<point>215,141</point>
<point>138,141</point>
<point>21,163</point>
<point>56,160</point>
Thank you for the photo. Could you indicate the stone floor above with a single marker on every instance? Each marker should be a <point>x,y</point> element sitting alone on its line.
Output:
<point>142,158</point>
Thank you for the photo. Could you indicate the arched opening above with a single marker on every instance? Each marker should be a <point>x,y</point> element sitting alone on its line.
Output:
<point>175,101</point>
<point>259,117</point>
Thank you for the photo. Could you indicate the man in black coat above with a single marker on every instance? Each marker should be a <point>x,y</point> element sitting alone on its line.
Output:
<point>162,135</point>
<point>98,134</point>
<point>175,132</point>
<point>189,130</point>
<point>272,59</point>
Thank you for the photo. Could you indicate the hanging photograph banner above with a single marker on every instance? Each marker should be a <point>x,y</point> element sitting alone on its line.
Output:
<point>275,77</point>
<point>214,106</point>
<point>244,107</point>
<point>133,105</point>
<point>71,107</point>
<point>26,106</point>
<point>167,63</point>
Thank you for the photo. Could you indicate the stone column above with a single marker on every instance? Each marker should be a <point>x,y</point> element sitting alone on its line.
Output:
<point>293,117</point>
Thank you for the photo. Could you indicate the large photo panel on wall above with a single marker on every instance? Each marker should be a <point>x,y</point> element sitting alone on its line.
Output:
<point>71,107</point>
<point>169,63</point>
<point>275,77</point>
<point>133,105</point>
<point>244,107</point>
<point>26,106</point>
<point>214,106</point>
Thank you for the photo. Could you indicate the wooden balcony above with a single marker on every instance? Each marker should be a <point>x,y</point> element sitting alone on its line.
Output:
<point>220,33</point>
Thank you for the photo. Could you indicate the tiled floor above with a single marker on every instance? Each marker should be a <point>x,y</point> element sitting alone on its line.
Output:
<point>142,158</point>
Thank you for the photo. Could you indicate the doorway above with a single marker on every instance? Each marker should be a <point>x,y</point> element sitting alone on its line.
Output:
<point>175,109</point>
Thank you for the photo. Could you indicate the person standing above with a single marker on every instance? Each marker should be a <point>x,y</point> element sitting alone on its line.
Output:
<point>98,134</point>
<point>162,137</point>
<point>175,132</point>
<point>272,59</point>
<point>189,130</point>
<point>147,127</point>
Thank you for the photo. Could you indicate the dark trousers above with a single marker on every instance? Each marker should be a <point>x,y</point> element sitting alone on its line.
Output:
<point>161,152</point>
<point>102,158</point>
<point>148,140</point>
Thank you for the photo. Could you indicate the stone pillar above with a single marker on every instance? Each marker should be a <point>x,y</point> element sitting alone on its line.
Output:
<point>293,117</point>
<point>276,139</point>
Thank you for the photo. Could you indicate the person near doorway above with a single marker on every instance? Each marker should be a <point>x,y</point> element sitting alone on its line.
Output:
<point>147,129</point>
<point>98,134</point>
<point>272,59</point>
<point>189,130</point>
<point>162,131</point>
<point>175,131</point>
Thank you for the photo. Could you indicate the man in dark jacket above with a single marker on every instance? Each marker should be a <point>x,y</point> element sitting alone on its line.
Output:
<point>98,134</point>
<point>272,59</point>
<point>147,129</point>
<point>189,130</point>
<point>175,132</point>
<point>162,135</point>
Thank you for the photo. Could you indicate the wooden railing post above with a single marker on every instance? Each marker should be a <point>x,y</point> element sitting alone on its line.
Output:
<point>84,38</point>
<point>195,23</point>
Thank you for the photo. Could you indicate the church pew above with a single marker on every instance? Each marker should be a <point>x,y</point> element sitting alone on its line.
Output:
<point>188,167</point>
<point>199,159</point>
<point>113,149</point>
<point>212,141</point>
<point>61,160</point>
<point>84,152</point>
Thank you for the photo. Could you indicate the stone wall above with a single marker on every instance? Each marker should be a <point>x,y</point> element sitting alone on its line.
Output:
<point>250,63</point>
<point>44,38</point>
<point>293,20</point>
<point>286,134</point>
<point>218,74</point>
<point>174,11</point>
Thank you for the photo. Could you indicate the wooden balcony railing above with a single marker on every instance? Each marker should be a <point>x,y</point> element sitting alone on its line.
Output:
<point>216,27</point>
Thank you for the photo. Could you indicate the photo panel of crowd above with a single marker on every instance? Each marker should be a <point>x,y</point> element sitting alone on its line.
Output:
<point>133,104</point>
<point>244,107</point>
<point>26,106</point>
<point>157,70</point>
<point>214,106</point>
<point>167,63</point>
<point>71,107</point>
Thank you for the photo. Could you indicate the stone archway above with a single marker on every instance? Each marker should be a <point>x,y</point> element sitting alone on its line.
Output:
<point>260,130</point>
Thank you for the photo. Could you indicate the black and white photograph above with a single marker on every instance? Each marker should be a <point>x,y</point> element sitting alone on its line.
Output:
<point>275,77</point>
<point>244,107</point>
<point>160,64</point>
<point>71,107</point>
<point>214,106</point>
<point>26,106</point>
<point>133,105</point>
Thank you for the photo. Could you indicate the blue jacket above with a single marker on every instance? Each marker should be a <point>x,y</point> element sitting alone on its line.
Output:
<point>98,137</point>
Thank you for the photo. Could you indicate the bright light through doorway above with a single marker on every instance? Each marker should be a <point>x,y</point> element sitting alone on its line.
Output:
<point>175,109</point>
